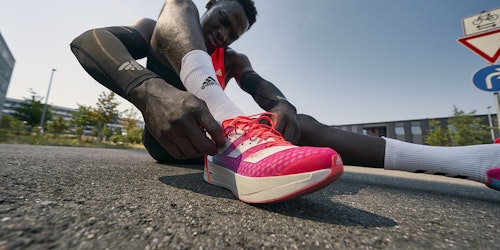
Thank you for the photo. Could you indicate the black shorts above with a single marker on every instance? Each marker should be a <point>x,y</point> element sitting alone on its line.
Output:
<point>161,155</point>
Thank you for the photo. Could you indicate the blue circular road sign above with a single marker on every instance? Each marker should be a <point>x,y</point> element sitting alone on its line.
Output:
<point>488,78</point>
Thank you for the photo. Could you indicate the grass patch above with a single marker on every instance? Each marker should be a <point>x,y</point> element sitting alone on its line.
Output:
<point>32,138</point>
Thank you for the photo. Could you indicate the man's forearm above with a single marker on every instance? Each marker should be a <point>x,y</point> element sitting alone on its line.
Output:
<point>108,55</point>
<point>265,94</point>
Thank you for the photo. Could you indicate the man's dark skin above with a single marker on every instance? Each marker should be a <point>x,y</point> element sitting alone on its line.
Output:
<point>171,21</point>
<point>178,120</point>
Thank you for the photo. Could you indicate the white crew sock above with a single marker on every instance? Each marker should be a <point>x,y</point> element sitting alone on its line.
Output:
<point>198,76</point>
<point>470,162</point>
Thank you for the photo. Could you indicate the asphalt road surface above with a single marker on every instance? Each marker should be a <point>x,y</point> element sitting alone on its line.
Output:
<point>82,198</point>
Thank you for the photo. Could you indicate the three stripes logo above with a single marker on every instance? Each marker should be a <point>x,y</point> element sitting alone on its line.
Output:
<point>130,65</point>
<point>208,82</point>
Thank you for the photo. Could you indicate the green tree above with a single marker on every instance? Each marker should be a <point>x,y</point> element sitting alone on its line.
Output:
<point>5,121</point>
<point>130,122</point>
<point>84,117</point>
<point>467,129</point>
<point>30,111</point>
<point>106,113</point>
<point>117,135</point>
<point>9,122</point>
<point>464,129</point>
<point>437,136</point>
<point>135,135</point>
<point>58,125</point>
<point>107,132</point>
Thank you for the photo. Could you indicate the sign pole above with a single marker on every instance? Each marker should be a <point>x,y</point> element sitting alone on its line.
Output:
<point>46,99</point>
<point>490,122</point>
<point>497,104</point>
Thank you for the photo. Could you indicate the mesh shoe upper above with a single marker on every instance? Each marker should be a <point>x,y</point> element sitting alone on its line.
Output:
<point>256,149</point>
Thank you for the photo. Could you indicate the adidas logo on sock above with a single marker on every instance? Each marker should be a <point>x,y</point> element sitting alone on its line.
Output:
<point>208,82</point>
<point>130,65</point>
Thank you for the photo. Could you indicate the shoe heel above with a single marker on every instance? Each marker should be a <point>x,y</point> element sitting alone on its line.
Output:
<point>219,176</point>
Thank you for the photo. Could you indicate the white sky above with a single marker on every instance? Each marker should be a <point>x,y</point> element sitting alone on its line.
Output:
<point>342,61</point>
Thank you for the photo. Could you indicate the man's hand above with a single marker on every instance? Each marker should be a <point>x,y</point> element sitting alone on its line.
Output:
<point>287,123</point>
<point>177,119</point>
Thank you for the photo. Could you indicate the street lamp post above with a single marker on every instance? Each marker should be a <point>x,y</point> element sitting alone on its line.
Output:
<point>46,99</point>
<point>496,95</point>
<point>491,124</point>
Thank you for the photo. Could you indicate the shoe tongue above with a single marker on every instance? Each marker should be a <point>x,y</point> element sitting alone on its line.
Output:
<point>245,123</point>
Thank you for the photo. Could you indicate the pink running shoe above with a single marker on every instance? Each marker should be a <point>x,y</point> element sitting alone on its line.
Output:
<point>493,178</point>
<point>493,174</point>
<point>259,166</point>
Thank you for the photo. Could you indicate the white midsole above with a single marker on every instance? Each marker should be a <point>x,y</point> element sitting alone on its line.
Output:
<point>261,189</point>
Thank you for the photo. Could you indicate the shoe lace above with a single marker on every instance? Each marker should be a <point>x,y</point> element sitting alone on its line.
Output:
<point>256,126</point>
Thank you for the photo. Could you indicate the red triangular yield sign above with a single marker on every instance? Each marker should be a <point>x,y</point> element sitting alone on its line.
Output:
<point>486,45</point>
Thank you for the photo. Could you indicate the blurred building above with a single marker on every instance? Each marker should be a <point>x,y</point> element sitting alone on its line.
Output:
<point>66,113</point>
<point>413,131</point>
<point>6,67</point>
<point>11,103</point>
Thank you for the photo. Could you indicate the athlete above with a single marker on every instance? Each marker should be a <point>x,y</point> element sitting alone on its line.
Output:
<point>182,101</point>
<point>179,111</point>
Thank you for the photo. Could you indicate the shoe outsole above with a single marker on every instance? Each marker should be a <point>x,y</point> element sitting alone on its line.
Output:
<point>275,188</point>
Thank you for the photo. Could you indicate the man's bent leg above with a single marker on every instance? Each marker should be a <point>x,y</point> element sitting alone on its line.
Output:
<point>178,39</point>
<point>480,163</point>
<point>355,149</point>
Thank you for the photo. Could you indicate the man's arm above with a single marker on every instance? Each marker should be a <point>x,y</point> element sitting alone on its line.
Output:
<point>266,95</point>
<point>174,117</point>
<point>109,54</point>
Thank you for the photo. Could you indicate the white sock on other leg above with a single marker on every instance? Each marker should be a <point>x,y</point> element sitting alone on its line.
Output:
<point>198,76</point>
<point>470,162</point>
